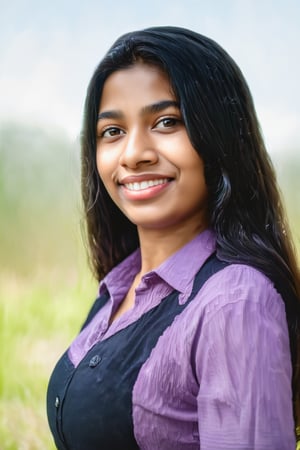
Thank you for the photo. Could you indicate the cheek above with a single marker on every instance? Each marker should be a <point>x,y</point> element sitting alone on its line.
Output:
<point>98,162</point>
<point>104,165</point>
<point>197,178</point>
<point>106,169</point>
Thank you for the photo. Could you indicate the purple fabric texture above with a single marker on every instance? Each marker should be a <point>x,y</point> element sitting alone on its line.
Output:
<point>219,377</point>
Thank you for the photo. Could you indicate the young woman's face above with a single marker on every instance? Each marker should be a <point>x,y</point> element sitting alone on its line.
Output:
<point>144,156</point>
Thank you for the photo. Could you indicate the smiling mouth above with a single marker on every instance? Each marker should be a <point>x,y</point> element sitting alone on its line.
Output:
<point>146,184</point>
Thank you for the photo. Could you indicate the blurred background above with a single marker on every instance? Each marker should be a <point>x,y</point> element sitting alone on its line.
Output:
<point>48,51</point>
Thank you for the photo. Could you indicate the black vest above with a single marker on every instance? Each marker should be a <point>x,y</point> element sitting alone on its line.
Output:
<point>90,407</point>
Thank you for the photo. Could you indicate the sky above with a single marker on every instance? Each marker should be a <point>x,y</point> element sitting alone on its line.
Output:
<point>49,50</point>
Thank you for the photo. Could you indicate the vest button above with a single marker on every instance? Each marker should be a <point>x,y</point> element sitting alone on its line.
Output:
<point>95,361</point>
<point>56,402</point>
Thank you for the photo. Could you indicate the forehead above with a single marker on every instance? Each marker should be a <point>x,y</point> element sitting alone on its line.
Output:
<point>141,83</point>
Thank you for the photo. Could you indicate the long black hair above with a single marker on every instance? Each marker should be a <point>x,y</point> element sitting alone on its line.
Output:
<point>217,108</point>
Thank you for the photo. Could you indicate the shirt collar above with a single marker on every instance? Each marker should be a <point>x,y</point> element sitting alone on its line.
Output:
<point>120,278</point>
<point>178,271</point>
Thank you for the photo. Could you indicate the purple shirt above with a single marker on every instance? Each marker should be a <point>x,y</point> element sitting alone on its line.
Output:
<point>219,377</point>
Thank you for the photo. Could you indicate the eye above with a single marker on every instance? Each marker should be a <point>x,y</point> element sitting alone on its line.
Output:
<point>167,122</point>
<point>111,132</point>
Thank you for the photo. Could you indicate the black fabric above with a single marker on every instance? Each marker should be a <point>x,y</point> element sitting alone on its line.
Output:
<point>90,407</point>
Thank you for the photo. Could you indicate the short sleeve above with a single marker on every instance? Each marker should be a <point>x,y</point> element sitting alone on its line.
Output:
<point>243,366</point>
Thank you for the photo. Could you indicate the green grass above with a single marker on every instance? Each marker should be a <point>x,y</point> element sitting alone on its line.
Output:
<point>40,317</point>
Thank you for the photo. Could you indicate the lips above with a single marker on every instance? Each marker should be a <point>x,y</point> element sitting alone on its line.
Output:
<point>145,184</point>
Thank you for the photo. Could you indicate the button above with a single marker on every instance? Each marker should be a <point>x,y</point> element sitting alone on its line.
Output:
<point>56,402</point>
<point>95,361</point>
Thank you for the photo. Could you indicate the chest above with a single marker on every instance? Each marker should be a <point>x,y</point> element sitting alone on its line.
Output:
<point>122,380</point>
<point>133,389</point>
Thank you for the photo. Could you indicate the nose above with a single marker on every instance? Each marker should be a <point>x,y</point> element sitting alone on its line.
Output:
<point>138,150</point>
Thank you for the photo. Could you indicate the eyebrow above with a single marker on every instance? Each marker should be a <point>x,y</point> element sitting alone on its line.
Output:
<point>149,109</point>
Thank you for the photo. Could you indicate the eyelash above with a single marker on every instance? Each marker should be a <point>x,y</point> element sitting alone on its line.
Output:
<point>109,129</point>
<point>174,121</point>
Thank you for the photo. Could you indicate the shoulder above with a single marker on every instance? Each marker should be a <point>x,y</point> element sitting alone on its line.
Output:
<point>240,356</point>
<point>242,319</point>
<point>238,287</point>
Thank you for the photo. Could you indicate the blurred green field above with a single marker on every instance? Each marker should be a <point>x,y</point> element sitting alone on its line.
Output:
<point>40,318</point>
<point>45,286</point>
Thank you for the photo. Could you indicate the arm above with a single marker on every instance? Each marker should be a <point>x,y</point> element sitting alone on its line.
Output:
<point>242,363</point>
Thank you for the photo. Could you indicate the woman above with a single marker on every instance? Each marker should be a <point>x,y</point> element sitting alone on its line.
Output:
<point>193,341</point>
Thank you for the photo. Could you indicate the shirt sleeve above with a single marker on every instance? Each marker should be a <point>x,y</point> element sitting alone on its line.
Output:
<point>243,367</point>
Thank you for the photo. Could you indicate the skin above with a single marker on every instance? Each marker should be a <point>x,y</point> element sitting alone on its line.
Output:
<point>148,165</point>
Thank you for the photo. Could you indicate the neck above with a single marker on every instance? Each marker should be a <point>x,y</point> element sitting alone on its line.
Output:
<point>158,245</point>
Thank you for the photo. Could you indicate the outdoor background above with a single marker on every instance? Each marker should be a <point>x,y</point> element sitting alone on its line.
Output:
<point>48,51</point>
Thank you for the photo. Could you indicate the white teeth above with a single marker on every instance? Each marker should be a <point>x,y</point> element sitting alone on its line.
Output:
<point>145,184</point>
